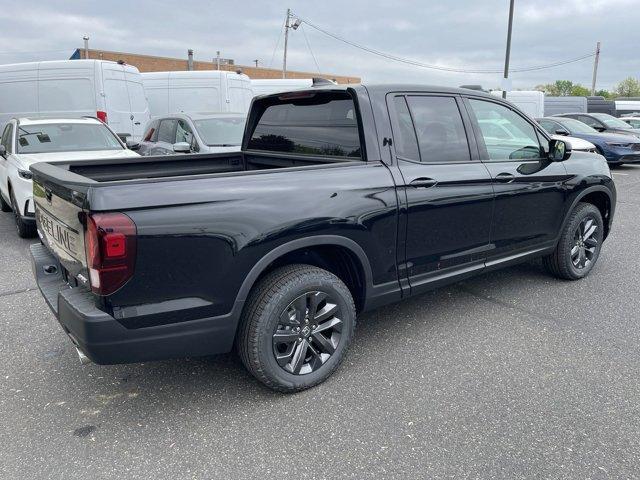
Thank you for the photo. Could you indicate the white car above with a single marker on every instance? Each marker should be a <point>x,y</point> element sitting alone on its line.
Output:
<point>633,120</point>
<point>577,144</point>
<point>26,141</point>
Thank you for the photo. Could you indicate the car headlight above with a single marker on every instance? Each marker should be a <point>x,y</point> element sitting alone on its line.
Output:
<point>26,174</point>
<point>618,144</point>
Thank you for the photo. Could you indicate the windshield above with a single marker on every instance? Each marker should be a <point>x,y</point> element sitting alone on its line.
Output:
<point>221,132</point>
<point>66,137</point>
<point>610,121</point>
<point>575,126</point>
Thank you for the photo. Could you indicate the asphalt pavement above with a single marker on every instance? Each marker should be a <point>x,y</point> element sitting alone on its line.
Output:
<point>509,375</point>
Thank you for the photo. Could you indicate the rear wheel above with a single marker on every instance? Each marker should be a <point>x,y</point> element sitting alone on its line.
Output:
<point>4,206</point>
<point>296,327</point>
<point>579,246</point>
<point>25,229</point>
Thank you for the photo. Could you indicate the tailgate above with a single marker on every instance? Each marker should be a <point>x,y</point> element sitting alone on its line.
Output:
<point>59,221</point>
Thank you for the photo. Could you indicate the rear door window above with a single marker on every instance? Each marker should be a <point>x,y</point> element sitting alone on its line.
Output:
<point>311,124</point>
<point>439,128</point>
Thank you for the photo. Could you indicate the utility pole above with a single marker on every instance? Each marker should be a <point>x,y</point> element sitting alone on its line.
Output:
<point>286,38</point>
<point>595,69</point>
<point>256,62</point>
<point>218,59</point>
<point>508,52</point>
<point>86,47</point>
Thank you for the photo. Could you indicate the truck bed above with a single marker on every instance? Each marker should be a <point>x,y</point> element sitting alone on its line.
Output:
<point>155,167</point>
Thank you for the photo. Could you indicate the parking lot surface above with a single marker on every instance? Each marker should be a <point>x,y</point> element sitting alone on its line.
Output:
<point>510,375</point>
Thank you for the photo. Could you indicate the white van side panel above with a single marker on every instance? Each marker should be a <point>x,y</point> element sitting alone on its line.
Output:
<point>137,101</point>
<point>210,91</point>
<point>18,91</point>
<point>66,89</point>
<point>530,102</point>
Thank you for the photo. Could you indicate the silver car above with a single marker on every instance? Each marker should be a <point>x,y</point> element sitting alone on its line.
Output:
<point>193,133</point>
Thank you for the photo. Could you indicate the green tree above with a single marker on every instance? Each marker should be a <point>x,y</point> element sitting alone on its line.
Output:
<point>580,91</point>
<point>604,93</point>
<point>629,87</point>
<point>558,88</point>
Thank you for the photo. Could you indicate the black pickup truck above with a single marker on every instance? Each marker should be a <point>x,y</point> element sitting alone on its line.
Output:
<point>343,198</point>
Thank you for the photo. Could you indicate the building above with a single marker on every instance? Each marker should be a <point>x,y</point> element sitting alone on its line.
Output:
<point>152,63</point>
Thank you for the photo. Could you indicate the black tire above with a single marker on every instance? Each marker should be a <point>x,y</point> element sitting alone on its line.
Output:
<point>4,206</point>
<point>262,319</point>
<point>562,262</point>
<point>25,229</point>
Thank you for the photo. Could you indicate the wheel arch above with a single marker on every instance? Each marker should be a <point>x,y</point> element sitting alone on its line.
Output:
<point>601,198</point>
<point>324,251</point>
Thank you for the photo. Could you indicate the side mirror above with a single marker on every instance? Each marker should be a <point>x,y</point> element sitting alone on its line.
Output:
<point>562,131</point>
<point>3,151</point>
<point>559,150</point>
<point>133,145</point>
<point>181,147</point>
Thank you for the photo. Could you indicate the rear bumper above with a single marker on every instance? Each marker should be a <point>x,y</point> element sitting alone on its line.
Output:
<point>106,341</point>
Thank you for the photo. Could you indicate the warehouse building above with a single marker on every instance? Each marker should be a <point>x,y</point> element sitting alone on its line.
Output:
<point>152,63</point>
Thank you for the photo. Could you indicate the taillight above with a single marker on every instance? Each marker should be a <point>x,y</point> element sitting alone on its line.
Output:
<point>102,116</point>
<point>110,242</point>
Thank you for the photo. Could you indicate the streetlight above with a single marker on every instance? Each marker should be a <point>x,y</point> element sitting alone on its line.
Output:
<point>508,52</point>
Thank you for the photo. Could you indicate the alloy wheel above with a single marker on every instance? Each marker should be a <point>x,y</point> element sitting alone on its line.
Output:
<point>308,333</point>
<point>585,243</point>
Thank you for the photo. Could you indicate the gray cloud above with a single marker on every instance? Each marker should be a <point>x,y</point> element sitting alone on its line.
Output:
<point>461,33</point>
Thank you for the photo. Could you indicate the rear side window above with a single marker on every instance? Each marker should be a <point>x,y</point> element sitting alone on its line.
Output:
<point>316,124</point>
<point>406,143</point>
<point>167,131</point>
<point>439,128</point>
<point>592,122</point>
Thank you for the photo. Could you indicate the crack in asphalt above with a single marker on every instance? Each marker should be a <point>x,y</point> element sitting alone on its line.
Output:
<point>17,292</point>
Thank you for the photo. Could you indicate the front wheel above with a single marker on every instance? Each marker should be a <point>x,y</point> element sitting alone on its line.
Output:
<point>579,246</point>
<point>25,229</point>
<point>296,327</point>
<point>4,206</point>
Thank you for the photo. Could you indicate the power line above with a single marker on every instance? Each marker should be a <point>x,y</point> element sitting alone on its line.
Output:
<point>34,51</point>
<point>439,67</point>
<point>309,45</point>
<point>273,55</point>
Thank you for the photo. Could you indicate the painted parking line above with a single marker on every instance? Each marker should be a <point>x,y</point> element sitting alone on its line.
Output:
<point>616,173</point>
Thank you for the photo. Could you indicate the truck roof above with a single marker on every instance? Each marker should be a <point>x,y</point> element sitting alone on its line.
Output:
<point>381,88</point>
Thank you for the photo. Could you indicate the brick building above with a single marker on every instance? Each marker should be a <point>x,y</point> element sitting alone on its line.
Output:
<point>151,63</point>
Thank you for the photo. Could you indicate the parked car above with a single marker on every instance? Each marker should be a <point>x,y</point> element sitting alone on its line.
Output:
<point>616,148</point>
<point>603,122</point>
<point>343,198</point>
<point>26,141</point>
<point>632,120</point>
<point>110,91</point>
<point>195,133</point>
<point>501,130</point>
<point>197,91</point>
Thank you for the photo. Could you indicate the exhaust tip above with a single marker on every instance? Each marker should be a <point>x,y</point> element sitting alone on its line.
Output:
<point>84,360</point>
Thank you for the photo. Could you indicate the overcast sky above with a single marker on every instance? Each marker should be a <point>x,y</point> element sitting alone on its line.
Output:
<point>458,33</point>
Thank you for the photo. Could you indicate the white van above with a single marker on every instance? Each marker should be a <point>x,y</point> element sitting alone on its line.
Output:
<point>627,106</point>
<point>530,102</point>
<point>565,104</point>
<point>212,91</point>
<point>111,91</point>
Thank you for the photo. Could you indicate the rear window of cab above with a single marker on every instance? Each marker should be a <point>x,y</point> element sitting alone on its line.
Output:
<point>322,124</point>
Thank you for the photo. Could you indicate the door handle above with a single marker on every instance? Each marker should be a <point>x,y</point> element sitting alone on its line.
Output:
<point>136,123</point>
<point>505,177</point>
<point>423,182</point>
